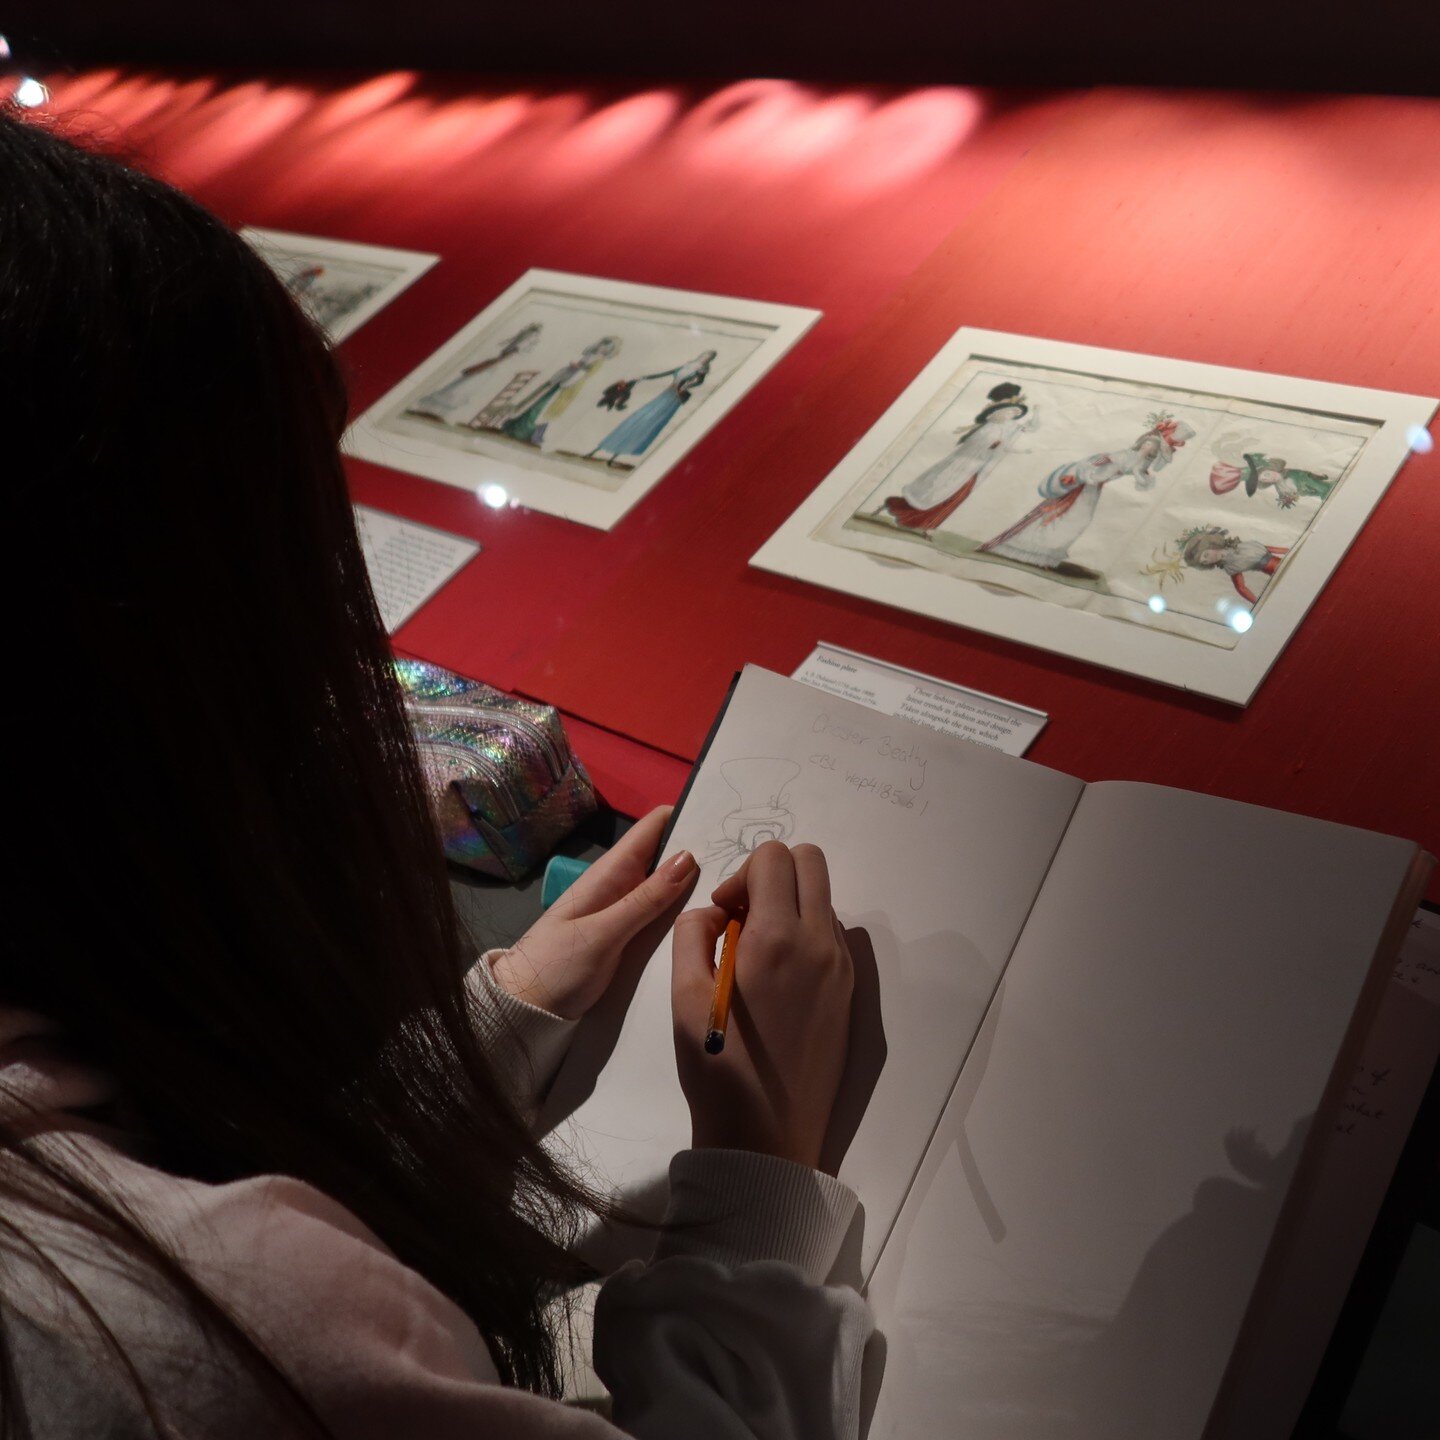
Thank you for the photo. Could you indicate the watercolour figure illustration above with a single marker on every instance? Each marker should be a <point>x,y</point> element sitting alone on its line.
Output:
<point>301,282</point>
<point>1070,496</point>
<point>531,398</point>
<point>1214,548</point>
<point>761,811</point>
<point>339,283</point>
<point>1071,486</point>
<point>1088,567</point>
<point>616,395</point>
<point>460,401</point>
<point>503,405</point>
<point>926,502</point>
<point>536,412</point>
<point>331,293</point>
<point>639,431</point>
<point>1265,472</point>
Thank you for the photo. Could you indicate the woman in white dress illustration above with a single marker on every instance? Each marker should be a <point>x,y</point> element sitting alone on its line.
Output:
<point>1070,495</point>
<point>456,402</point>
<point>936,493</point>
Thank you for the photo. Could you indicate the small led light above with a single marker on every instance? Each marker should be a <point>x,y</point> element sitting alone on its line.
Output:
<point>495,496</point>
<point>30,93</point>
<point>1241,621</point>
<point>4,48</point>
<point>1420,439</point>
<point>1156,603</point>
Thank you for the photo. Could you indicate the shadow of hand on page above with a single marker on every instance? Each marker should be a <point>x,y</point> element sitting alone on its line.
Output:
<point>1056,1360</point>
<point>967,1086</point>
<point>1157,1364</point>
<point>868,1050</point>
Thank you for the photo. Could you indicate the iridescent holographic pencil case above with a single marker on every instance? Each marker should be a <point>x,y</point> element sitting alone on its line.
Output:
<point>503,784</point>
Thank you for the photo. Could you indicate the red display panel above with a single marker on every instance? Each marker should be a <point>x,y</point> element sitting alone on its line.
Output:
<point>1298,236</point>
<point>1290,234</point>
<point>763,189</point>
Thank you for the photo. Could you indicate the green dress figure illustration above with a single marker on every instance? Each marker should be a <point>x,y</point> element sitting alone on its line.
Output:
<point>538,410</point>
<point>1261,472</point>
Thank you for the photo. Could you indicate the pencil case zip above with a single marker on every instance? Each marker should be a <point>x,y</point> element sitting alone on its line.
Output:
<point>544,743</point>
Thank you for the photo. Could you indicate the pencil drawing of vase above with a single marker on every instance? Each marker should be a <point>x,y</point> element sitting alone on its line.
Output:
<point>761,814</point>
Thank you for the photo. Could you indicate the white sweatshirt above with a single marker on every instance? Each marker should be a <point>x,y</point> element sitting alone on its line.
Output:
<point>728,1332</point>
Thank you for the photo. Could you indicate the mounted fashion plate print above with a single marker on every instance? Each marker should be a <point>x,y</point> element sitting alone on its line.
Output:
<point>339,283</point>
<point>1166,518</point>
<point>575,395</point>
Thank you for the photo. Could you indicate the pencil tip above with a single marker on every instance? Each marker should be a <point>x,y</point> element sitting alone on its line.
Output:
<point>714,1041</point>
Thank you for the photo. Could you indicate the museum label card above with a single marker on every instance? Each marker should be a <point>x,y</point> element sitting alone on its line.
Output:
<point>408,563</point>
<point>908,695</point>
<point>575,395</point>
<point>340,283</point>
<point>1166,518</point>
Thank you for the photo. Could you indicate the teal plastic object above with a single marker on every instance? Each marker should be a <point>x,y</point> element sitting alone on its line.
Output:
<point>561,872</point>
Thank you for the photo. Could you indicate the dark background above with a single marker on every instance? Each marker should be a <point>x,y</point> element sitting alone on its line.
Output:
<point>1390,46</point>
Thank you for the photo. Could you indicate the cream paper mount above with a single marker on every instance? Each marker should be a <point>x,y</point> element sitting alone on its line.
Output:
<point>575,395</point>
<point>340,283</point>
<point>1166,518</point>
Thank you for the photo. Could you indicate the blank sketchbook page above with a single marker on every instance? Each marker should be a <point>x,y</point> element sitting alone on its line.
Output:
<point>1078,1252</point>
<point>937,849</point>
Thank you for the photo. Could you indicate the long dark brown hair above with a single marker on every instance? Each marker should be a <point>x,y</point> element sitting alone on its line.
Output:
<point>227,890</point>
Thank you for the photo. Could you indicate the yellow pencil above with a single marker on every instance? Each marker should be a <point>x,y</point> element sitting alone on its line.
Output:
<point>724,983</point>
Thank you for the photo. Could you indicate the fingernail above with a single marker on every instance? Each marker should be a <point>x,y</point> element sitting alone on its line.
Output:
<point>678,867</point>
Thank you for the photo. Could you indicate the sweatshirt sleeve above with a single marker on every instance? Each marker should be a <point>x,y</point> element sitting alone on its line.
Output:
<point>524,1043</point>
<point>730,1332</point>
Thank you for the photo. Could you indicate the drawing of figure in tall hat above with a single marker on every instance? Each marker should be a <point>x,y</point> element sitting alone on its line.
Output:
<point>1211,547</point>
<point>542,407</point>
<point>458,401</point>
<point>762,810</point>
<point>937,492</point>
<point>638,432</point>
<point>1260,472</point>
<point>1070,495</point>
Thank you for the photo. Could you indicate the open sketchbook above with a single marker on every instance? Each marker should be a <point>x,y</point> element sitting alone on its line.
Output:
<point>1120,1007</point>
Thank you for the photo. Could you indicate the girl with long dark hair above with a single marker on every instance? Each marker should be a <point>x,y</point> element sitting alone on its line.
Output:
<point>264,1159</point>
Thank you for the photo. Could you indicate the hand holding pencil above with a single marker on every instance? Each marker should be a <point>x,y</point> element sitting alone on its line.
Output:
<point>782,1006</point>
<point>724,987</point>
